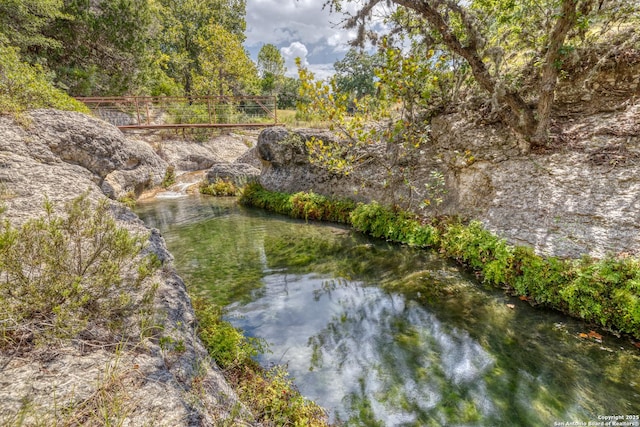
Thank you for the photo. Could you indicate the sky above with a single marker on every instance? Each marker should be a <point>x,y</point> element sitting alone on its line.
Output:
<point>299,28</point>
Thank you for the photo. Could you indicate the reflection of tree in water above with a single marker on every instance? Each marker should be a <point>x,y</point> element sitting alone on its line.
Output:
<point>463,359</point>
<point>416,342</point>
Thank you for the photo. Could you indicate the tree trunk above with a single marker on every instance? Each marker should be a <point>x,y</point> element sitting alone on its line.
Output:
<point>519,115</point>
<point>550,69</point>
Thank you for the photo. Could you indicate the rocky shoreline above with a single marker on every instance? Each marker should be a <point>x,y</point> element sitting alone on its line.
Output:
<point>59,156</point>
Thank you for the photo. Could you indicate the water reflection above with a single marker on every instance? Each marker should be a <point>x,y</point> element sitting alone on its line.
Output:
<point>385,335</point>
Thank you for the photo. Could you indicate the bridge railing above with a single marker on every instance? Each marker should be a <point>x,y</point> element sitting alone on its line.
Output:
<point>132,112</point>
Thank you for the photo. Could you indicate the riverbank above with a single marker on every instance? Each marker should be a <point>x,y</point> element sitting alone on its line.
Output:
<point>602,292</point>
<point>148,367</point>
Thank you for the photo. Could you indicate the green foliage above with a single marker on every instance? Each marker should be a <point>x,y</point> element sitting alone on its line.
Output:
<point>510,50</point>
<point>393,225</point>
<point>220,187</point>
<point>300,205</point>
<point>225,66</point>
<point>62,276</point>
<point>103,48</point>
<point>23,86</point>
<point>356,73</point>
<point>224,343</point>
<point>481,250</point>
<point>187,39</point>
<point>129,199</point>
<point>273,397</point>
<point>22,22</point>
<point>538,278</point>
<point>316,207</point>
<point>169,177</point>
<point>271,69</point>
<point>605,292</point>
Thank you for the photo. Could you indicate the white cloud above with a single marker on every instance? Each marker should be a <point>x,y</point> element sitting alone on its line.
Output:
<point>292,25</point>
<point>290,53</point>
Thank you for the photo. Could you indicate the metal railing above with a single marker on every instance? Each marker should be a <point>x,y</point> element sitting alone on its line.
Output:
<point>160,112</point>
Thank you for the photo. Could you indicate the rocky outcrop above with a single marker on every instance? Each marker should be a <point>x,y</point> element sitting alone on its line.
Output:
<point>74,143</point>
<point>237,173</point>
<point>150,381</point>
<point>580,197</point>
<point>187,155</point>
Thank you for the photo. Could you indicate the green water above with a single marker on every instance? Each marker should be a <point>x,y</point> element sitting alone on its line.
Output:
<point>386,335</point>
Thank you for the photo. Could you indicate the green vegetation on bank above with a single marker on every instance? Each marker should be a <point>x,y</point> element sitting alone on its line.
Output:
<point>269,393</point>
<point>25,86</point>
<point>70,276</point>
<point>605,292</point>
<point>220,188</point>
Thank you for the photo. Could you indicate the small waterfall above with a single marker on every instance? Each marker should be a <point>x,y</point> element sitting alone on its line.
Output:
<point>186,183</point>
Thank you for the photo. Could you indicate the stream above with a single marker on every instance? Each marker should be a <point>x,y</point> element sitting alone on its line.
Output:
<point>385,335</point>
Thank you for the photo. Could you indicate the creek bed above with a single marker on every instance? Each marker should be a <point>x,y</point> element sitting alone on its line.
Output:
<point>381,334</point>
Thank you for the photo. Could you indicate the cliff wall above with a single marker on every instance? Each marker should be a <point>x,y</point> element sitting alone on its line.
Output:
<point>580,196</point>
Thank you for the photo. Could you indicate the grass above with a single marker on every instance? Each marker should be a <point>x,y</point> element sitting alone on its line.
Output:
<point>293,119</point>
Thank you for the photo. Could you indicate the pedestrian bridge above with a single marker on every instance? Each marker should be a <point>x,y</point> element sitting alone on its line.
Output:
<point>172,112</point>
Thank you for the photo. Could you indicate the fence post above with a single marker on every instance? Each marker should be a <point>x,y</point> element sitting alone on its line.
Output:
<point>275,109</point>
<point>135,98</point>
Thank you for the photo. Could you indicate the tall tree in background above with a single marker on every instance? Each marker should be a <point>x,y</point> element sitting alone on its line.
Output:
<point>271,69</point>
<point>186,23</point>
<point>101,46</point>
<point>355,73</point>
<point>225,67</point>
<point>22,23</point>
<point>504,44</point>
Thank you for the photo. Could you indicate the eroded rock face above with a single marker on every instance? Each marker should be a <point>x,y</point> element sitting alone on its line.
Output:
<point>237,173</point>
<point>117,164</point>
<point>61,156</point>
<point>582,197</point>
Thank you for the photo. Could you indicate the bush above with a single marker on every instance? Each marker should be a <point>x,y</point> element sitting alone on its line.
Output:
<point>62,277</point>
<point>393,225</point>
<point>24,87</point>
<point>169,177</point>
<point>219,188</point>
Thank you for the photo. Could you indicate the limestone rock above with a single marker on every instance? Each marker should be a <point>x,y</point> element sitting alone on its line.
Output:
<point>187,155</point>
<point>237,173</point>
<point>581,198</point>
<point>58,157</point>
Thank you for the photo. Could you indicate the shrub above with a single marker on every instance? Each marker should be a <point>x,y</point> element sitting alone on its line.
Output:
<point>24,86</point>
<point>484,252</point>
<point>393,225</point>
<point>219,188</point>
<point>311,206</point>
<point>169,177</point>
<point>63,276</point>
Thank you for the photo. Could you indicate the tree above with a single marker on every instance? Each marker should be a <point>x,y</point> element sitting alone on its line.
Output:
<point>271,69</point>
<point>289,94</point>
<point>22,23</point>
<point>355,73</point>
<point>102,47</point>
<point>485,33</point>
<point>225,66</point>
<point>184,25</point>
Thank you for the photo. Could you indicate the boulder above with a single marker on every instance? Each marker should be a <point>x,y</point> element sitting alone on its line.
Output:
<point>237,173</point>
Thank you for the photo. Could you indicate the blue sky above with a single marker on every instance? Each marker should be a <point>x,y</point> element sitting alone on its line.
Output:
<point>299,28</point>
